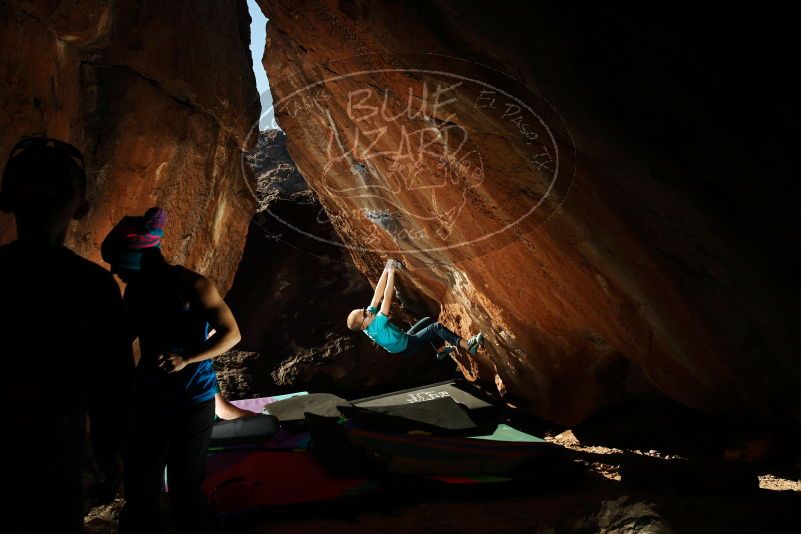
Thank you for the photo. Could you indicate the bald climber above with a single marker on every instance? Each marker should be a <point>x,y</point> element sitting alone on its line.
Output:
<point>374,322</point>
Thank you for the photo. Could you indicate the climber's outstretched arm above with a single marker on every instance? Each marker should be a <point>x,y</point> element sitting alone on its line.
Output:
<point>379,290</point>
<point>389,291</point>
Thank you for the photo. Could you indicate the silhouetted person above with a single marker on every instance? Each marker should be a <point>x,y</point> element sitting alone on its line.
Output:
<point>172,311</point>
<point>63,346</point>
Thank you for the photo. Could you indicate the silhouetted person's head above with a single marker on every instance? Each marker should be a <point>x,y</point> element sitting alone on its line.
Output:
<point>44,186</point>
<point>133,246</point>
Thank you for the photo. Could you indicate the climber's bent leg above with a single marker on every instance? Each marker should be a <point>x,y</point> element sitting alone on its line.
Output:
<point>419,325</point>
<point>434,333</point>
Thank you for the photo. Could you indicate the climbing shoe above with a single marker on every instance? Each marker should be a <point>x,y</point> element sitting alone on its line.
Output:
<point>474,342</point>
<point>441,355</point>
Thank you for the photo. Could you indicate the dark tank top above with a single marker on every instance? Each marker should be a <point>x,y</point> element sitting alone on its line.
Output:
<point>166,323</point>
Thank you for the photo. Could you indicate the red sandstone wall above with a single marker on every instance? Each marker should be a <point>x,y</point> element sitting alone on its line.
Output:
<point>159,95</point>
<point>661,260</point>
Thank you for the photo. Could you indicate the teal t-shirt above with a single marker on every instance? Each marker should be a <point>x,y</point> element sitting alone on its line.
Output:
<point>386,334</point>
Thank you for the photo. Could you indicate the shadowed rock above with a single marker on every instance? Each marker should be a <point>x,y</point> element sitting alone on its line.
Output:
<point>661,258</point>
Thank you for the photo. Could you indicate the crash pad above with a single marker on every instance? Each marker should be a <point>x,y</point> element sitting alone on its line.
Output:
<point>293,409</point>
<point>442,415</point>
<point>254,429</point>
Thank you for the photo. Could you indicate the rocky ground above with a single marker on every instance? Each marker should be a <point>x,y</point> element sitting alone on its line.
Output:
<point>600,501</point>
<point>650,468</point>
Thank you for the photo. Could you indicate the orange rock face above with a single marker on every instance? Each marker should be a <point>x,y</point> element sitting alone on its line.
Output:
<point>289,290</point>
<point>601,224</point>
<point>160,96</point>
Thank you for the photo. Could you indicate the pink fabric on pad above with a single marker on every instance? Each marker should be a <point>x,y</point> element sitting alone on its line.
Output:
<point>256,405</point>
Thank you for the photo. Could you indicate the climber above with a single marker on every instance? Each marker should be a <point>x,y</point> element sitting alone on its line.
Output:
<point>171,309</point>
<point>376,324</point>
